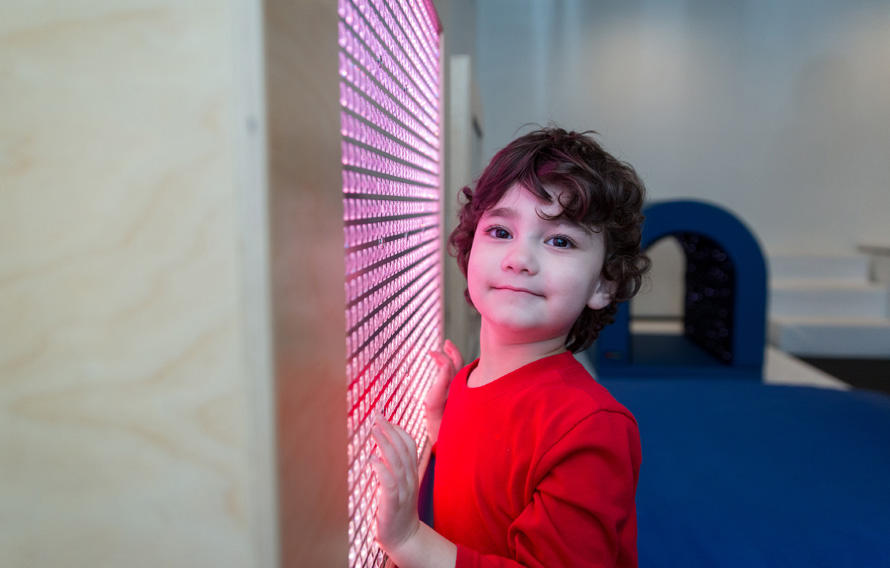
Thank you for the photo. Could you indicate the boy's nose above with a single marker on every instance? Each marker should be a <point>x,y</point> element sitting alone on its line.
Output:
<point>520,258</point>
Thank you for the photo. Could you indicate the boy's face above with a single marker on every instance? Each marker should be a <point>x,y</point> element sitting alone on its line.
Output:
<point>531,277</point>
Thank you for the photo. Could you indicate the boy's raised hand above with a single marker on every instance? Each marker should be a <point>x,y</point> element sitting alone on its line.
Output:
<point>449,360</point>
<point>408,542</point>
<point>396,468</point>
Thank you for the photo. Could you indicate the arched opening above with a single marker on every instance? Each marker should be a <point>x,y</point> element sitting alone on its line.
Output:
<point>723,300</point>
<point>658,307</point>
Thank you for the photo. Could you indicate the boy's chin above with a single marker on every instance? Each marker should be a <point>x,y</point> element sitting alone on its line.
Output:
<point>526,332</point>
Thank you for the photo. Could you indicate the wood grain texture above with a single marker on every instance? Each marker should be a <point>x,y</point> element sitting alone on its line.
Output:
<point>125,395</point>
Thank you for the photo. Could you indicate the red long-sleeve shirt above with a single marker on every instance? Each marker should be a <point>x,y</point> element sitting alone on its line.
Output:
<point>538,468</point>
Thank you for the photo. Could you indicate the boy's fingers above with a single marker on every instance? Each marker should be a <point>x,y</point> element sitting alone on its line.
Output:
<point>408,441</point>
<point>400,456</point>
<point>442,381</point>
<point>405,445</point>
<point>444,365</point>
<point>400,442</point>
<point>395,442</point>
<point>439,358</point>
<point>454,354</point>
<point>384,476</point>
<point>391,456</point>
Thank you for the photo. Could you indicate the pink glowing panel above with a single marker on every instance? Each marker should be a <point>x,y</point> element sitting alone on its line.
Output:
<point>389,100</point>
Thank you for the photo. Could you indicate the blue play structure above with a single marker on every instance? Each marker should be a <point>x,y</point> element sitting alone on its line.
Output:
<point>740,473</point>
<point>725,303</point>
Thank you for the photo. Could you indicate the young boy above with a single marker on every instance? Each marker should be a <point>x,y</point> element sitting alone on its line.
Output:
<point>536,464</point>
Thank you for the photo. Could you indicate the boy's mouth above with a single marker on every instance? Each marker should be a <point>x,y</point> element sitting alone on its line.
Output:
<point>518,290</point>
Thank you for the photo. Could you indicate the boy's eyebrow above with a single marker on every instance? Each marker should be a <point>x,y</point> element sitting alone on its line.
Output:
<point>571,225</point>
<point>502,212</point>
<point>510,213</point>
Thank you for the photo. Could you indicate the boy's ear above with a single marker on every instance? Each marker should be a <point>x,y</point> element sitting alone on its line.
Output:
<point>603,293</point>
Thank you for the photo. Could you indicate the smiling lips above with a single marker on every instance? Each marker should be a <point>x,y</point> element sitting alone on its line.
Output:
<point>517,289</point>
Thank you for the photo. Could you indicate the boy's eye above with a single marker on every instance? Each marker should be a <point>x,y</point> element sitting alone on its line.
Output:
<point>499,232</point>
<point>560,242</point>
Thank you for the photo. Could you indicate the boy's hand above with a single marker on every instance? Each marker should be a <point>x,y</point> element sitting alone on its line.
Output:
<point>397,517</point>
<point>449,360</point>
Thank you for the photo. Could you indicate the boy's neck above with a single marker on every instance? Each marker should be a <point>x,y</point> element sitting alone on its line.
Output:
<point>499,356</point>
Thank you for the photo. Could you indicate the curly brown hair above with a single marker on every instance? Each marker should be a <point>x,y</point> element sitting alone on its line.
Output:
<point>598,191</point>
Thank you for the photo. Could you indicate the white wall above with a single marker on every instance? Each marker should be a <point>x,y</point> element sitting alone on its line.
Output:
<point>463,116</point>
<point>779,111</point>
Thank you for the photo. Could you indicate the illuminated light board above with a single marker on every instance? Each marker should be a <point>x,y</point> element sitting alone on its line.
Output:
<point>390,120</point>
